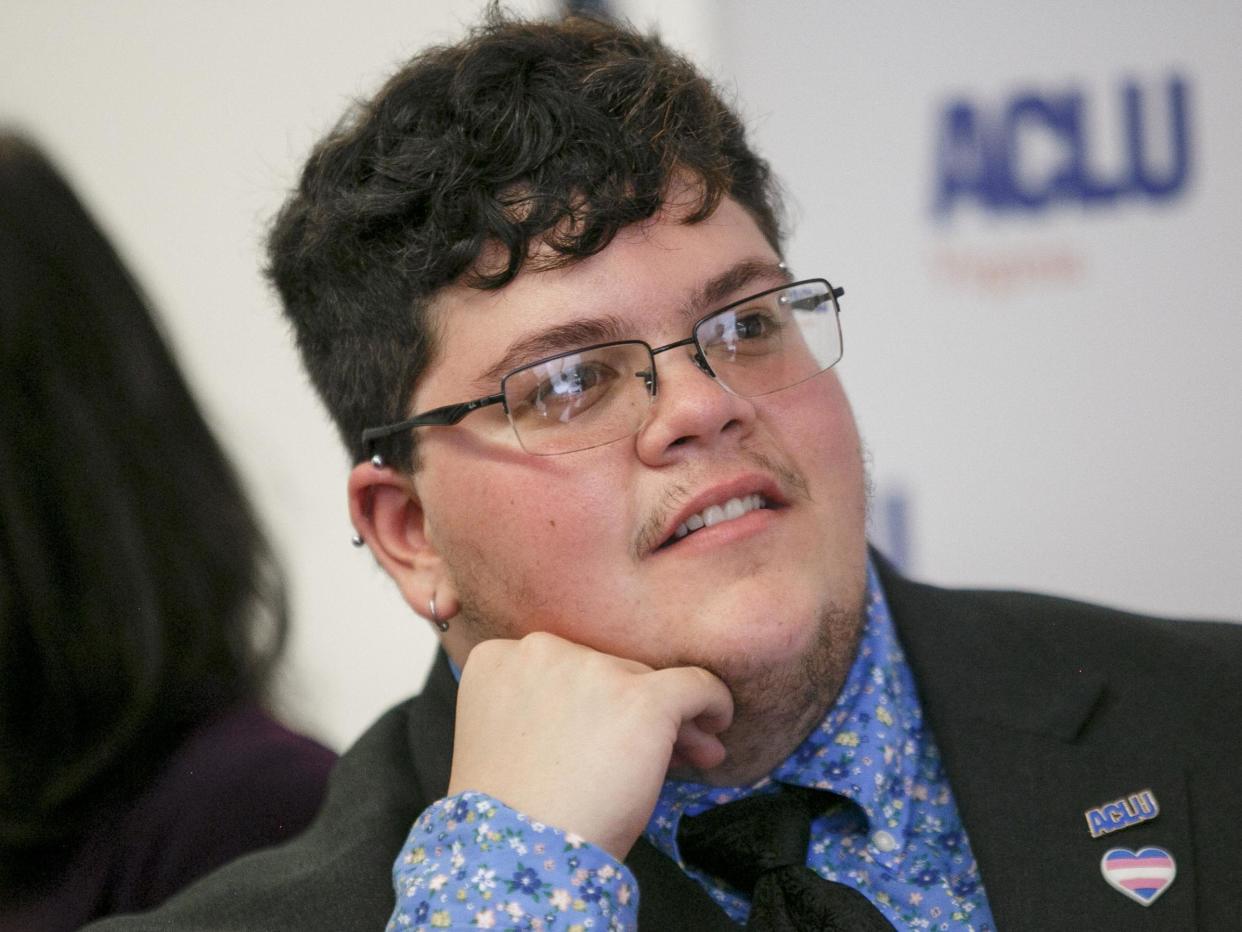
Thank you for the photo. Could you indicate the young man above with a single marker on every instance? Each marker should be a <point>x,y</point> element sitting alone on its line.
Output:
<point>600,445</point>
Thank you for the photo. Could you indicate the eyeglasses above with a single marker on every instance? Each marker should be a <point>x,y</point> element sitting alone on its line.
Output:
<point>587,397</point>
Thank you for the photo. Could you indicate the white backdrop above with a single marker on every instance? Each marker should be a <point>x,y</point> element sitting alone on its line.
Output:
<point>1056,390</point>
<point>1049,395</point>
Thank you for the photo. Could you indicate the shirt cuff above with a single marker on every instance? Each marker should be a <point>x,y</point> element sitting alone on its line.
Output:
<point>471,862</point>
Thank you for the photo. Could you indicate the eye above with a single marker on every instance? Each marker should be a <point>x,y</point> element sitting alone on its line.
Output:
<point>566,393</point>
<point>756,325</point>
<point>753,331</point>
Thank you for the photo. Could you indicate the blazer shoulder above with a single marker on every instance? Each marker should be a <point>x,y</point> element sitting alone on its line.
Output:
<point>1108,631</point>
<point>1006,639</point>
<point>1091,624</point>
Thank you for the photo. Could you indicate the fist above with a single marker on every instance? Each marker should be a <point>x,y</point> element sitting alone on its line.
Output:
<point>581,739</point>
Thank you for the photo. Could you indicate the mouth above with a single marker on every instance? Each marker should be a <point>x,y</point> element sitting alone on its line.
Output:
<point>719,507</point>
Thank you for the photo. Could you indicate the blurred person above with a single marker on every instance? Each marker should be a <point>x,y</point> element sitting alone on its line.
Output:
<point>141,608</point>
<point>601,445</point>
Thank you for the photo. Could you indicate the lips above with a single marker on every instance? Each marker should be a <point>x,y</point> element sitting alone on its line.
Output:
<point>714,514</point>
<point>718,504</point>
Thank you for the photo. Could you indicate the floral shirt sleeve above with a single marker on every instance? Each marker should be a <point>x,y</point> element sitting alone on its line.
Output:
<point>471,862</point>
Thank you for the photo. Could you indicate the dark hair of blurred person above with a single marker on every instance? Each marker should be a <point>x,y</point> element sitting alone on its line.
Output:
<point>141,609</point>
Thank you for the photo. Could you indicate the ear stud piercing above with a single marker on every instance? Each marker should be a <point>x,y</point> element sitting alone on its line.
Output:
<point>378,462</point>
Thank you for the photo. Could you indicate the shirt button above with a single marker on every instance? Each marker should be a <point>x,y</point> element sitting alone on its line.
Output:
<point>884,841</point>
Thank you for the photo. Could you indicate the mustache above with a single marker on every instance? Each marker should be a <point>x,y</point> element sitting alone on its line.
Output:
<point>651,533</point>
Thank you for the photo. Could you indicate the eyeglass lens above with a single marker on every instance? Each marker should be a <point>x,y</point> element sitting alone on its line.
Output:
<point>587,398</point>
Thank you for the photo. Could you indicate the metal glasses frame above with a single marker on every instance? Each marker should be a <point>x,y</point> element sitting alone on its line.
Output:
<point>447,415</point>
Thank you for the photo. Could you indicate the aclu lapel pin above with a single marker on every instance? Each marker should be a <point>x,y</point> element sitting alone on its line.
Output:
<point>1141,875</point>
<point>1122,813</point>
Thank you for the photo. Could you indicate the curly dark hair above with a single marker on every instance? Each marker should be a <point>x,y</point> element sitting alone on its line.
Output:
<point>525,133</point>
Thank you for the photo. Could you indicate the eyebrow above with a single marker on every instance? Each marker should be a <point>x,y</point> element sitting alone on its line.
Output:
<point>583,332</point>
<point>716,292</point>
<point>588,331</point>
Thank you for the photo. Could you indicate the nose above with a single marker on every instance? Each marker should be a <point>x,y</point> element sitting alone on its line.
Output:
<point>692,412</point>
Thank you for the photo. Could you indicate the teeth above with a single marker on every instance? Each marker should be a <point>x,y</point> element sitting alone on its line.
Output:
<point>714,514</point>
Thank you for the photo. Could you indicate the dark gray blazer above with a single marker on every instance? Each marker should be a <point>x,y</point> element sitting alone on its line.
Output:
<point>1042,708</point>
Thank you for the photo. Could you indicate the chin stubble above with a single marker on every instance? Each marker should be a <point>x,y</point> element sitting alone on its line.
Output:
<point>776,707</point>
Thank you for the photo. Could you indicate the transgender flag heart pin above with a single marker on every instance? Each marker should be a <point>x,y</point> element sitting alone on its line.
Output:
<point>1140,875</point>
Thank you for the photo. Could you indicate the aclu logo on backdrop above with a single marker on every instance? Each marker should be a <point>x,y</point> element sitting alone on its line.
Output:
<point>1034,150</point>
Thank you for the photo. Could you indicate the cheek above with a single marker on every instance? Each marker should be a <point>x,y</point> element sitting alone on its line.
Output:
<point>816,429</point>
<point>815,423</point>
<point>521,540</point>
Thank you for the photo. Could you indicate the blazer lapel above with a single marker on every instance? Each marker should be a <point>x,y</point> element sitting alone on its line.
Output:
<point>1030,741</point>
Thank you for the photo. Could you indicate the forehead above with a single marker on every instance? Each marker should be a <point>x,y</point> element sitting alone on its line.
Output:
<point>651,280</point>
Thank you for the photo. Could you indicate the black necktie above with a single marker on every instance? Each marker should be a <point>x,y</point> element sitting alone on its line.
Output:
<point>758,844</point>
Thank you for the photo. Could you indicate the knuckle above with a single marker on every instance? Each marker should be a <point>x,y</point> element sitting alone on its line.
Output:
<point>484,656</point>
<point>539,641</point>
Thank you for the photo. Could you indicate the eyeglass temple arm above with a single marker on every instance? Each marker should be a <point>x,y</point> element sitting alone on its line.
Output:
<point>436,417</point>
<point>812,303</point>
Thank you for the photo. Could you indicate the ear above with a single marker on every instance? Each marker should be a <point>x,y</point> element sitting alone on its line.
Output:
<point>388,515</point>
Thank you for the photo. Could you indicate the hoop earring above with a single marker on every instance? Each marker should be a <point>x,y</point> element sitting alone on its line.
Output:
<point>435,616</point>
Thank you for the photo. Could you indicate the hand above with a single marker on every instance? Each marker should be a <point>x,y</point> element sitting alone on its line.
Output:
<point>580,739</point>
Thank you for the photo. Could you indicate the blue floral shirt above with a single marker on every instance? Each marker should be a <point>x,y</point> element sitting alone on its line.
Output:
<point>471,862</point>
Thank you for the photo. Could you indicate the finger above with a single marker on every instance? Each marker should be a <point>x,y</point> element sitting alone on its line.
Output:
<point>696,748</point>
<point>695,695</point>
